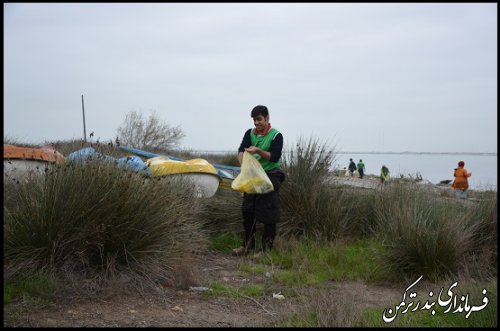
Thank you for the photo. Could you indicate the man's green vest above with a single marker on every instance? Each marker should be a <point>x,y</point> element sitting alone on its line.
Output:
<point>264,143</point>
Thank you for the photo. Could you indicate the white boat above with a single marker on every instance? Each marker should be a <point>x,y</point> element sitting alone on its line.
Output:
<point>205,185</point>
<point>198,172</point>
<point>225,172</point>
<point>22,163</point>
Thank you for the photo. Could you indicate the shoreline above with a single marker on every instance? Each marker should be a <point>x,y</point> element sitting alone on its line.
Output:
<point>373,182</point>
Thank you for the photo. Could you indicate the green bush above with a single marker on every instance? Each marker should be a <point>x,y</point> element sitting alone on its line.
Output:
<point>305,199</point>
<point>221,213</point>
<point>98,222</point>
<point>424,235</point>
<point>481,221</point>
<point>312,206</point>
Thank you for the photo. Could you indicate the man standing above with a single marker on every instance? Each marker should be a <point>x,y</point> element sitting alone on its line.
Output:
<point>265,143</point>
<point>352,167</point>
<point>361,168</point>
<point>384,174</point>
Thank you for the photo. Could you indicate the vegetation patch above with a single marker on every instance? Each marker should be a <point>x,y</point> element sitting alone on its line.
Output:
<point>224,242</point>
<point>92,225</point>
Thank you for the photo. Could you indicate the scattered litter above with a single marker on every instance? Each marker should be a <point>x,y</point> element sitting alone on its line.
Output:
<point>177,308</point>
<point>278,296</point>
<point>199,288</point>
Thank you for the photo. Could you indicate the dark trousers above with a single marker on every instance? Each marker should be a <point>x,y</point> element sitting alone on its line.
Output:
<point>262,208</point>
<point>267,236</point>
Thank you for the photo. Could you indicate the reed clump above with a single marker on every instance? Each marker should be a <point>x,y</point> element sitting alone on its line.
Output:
<point>431,236</point>
<point>312,206</point>
<point>91,225</point>
<point>221,214</point>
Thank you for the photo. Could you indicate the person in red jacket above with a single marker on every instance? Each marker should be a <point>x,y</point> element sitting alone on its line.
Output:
<point>461,184</point>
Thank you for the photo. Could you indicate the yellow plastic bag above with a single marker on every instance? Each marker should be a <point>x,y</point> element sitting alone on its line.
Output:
<point>252,177</point>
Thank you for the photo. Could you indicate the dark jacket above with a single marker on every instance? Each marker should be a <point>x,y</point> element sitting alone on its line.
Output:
<point>352,166</point>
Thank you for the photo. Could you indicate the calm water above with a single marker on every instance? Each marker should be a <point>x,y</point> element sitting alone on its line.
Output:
<point>432,167</point>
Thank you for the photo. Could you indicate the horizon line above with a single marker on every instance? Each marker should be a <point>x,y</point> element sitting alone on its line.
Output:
<point>372,152</point>
<point>410,152</point>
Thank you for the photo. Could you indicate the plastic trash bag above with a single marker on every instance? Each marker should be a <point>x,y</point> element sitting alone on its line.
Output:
<point>252,177</point>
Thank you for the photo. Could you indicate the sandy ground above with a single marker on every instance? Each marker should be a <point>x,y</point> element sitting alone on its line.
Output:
<point>187,308</point>
<point>373,182</point>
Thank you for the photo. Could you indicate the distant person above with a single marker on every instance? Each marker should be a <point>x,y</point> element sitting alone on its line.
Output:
<point>384,174</point>
<point>352,167</point>
<point>461,184</point>
<point>361,168</point>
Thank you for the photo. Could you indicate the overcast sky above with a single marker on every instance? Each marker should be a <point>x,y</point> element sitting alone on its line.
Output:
<point>364,77</point>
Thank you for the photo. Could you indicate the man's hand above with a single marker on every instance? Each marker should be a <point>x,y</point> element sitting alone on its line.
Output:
<point>252,149</point>
<point>262,153</point>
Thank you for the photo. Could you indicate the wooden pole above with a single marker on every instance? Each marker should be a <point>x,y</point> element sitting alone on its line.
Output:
<point>84,129</point>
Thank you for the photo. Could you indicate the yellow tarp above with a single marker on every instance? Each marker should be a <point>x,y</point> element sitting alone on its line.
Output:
<point>162,165</point>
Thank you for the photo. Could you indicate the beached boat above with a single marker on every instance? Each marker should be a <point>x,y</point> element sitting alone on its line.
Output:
<point>225,172</point>
<point>133,163</point>
<point>24,162</point>
<point>198,172</point>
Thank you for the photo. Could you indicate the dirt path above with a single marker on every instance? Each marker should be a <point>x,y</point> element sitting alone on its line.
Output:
<point>188,308</point>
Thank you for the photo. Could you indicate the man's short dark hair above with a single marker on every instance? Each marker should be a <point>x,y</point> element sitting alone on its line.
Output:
<point>259,110</point>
